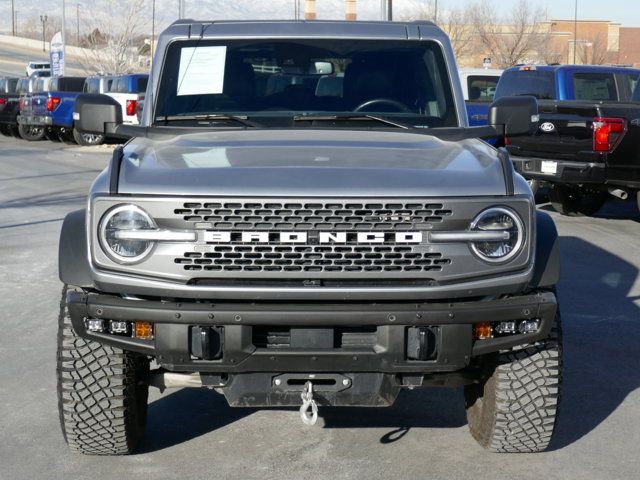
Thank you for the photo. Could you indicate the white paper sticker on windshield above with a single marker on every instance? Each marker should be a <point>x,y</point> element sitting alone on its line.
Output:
<point>201,70</point>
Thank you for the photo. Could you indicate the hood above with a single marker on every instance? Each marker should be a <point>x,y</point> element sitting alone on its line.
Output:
<point>308,163</point>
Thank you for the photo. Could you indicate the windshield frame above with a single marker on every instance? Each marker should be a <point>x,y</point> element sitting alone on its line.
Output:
<point>449,79</point>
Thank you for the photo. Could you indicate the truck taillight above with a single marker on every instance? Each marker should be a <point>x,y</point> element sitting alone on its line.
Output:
<point>52,103</point>
<point>3,101</point>
<point>607,133</point>
<point>132,107</point>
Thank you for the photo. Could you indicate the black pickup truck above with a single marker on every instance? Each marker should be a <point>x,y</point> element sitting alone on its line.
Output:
<point>9,105</point>
<point>585,150</point>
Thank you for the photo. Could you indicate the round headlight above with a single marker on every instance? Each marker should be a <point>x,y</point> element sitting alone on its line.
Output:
<point>120,219</point>
<point>498,220</point>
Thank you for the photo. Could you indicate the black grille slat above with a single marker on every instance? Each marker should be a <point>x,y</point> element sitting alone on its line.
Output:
<point>302,217</point>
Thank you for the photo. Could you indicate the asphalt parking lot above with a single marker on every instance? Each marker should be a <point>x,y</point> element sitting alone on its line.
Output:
<point>193,434</point>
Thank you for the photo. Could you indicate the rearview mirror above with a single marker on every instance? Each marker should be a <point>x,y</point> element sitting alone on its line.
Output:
<point>94,113</point>
<point>324,68</point>
<point>514,116</point>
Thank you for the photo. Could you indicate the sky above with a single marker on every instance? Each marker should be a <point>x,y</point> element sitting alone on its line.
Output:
<point>626,12</point>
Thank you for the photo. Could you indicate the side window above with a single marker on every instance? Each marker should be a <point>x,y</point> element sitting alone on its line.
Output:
<point>142,85</point>
<point>594,86</point>
<point>482,88</point>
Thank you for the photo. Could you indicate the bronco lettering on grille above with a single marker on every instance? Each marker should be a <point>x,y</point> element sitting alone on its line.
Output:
<point>313,237</point>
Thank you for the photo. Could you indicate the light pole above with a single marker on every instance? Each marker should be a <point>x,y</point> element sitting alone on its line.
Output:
<point>435,12</point>
<point>43,19</point>
<point>13,18</point>
<point>78,23</point>
<point>575,32</point>
<point>153,25</point>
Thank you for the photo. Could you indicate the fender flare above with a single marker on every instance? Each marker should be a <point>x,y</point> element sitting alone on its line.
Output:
<point>546,272</point>
<point>73,258</point>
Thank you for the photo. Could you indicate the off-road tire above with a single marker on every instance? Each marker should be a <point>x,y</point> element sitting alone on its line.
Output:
<point>31,133</point>
<point>515,408</point>
<point>575,201</point>
<point>87,139</point>
<point>4,130</point>
<point>102,400</point>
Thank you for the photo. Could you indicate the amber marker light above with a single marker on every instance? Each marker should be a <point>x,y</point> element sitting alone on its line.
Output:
<point>482,330</point>
<point>143,330</point>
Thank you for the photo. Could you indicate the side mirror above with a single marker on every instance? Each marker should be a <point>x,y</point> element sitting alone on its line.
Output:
<point>94,113</point>
<point>513,116</point>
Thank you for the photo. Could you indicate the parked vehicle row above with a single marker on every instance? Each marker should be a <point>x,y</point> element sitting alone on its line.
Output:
<point>35,107</point>
<point>587,145</point>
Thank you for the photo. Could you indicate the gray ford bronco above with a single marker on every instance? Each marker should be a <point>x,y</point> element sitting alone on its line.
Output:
<point>304,218</point>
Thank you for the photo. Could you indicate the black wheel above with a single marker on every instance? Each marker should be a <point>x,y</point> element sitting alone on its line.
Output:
<point>515,408</point>
<point>14,130</point>
<point>66,136</point>
<point>32,133</point>
<point>102,400</point>
<point>87,139</point>
<point>51,135</point>
<point>576,201</point>
<point>4,130</point>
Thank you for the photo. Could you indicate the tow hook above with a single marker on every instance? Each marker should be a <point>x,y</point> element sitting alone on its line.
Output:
<point>308,402</point>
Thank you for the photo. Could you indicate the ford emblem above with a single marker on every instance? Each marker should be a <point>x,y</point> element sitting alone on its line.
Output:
<point>548,127</point>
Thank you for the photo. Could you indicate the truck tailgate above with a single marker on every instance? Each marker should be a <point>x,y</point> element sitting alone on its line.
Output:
<point>564,133</point>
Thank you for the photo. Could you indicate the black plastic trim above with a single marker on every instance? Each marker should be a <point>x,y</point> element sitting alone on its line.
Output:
<point>73,263</point>
<point>546,271</point>
<point>114,170</point>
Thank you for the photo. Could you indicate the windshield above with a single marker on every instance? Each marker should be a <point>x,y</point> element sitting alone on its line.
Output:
<point>537,83</point>
<point>399,79</point>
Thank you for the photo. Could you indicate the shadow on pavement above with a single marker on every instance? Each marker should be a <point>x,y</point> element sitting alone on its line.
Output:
<point>614,209</point>
<point>186,414</point>
<point>601,326</point>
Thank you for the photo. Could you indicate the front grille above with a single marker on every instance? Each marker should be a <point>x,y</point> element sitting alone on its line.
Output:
<point>314,216</point>
<point>327,258</point>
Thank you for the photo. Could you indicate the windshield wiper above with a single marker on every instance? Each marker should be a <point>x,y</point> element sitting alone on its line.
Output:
<point>242,119</point>
<point>351,116</point>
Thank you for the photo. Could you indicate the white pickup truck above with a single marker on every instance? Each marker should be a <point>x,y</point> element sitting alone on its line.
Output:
<point>128,91</point>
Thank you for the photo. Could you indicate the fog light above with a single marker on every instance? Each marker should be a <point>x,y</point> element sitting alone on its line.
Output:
<point>482,330</point>
<point>95,325</point>
<point>143,330</point>
<point>529,326</point>
<point>506,327</point>
<point>117,326</point>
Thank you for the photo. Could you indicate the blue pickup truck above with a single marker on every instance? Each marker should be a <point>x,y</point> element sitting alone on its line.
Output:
<point>53,105</point>
<point>569,82</point>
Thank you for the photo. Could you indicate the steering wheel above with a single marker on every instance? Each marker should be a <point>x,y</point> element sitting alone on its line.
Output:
<point>385,101</point>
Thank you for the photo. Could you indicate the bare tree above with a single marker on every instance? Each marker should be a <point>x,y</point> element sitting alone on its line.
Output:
<point>32,27</point>
<point>592,50</point>
<point>457,24</point>
<point>111,46</point>
<point>517,38</point>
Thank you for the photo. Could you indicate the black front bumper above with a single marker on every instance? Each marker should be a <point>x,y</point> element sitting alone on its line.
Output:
<point>450,326</point>
<point>569,172</point>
